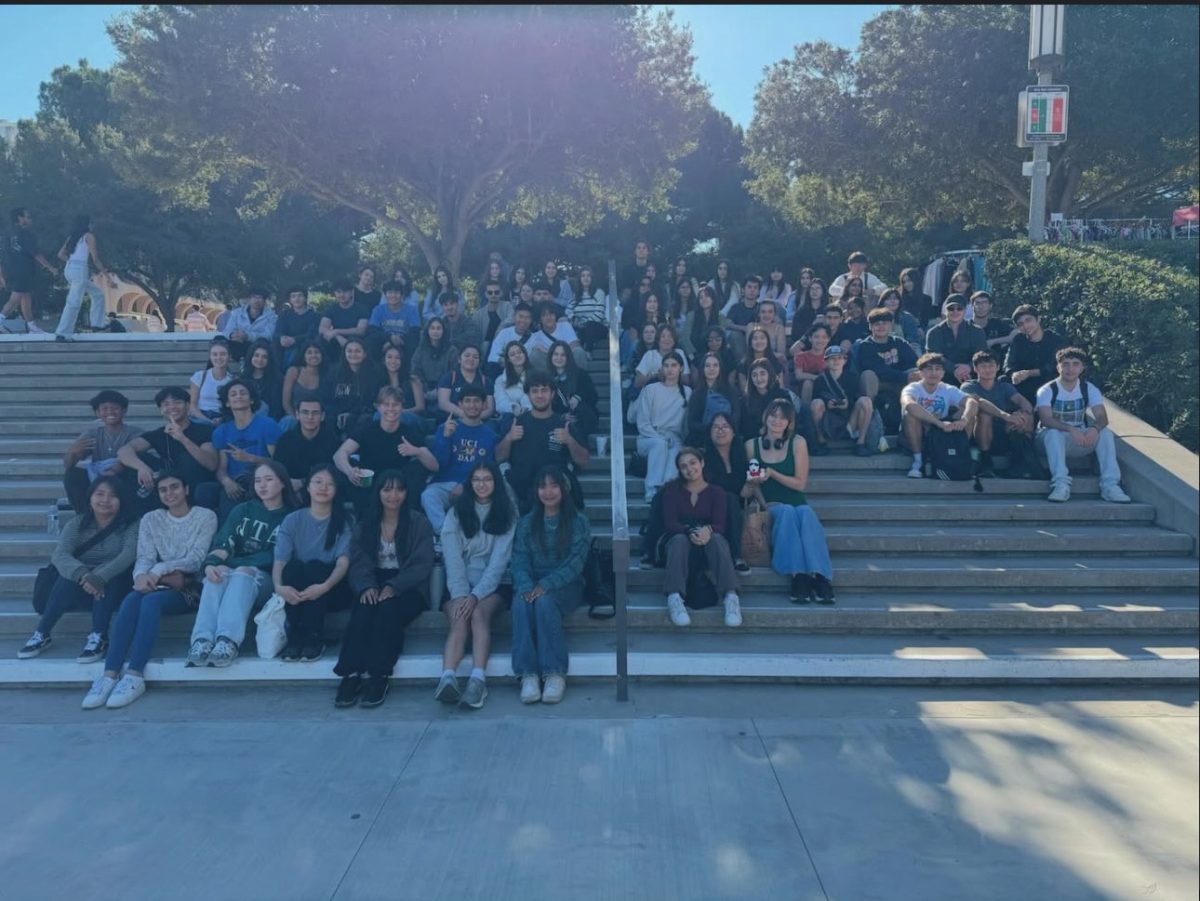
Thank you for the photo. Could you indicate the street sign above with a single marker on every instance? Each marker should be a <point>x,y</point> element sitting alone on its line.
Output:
<point>1043,109</point>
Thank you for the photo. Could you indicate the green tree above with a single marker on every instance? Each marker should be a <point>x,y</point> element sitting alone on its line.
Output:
<point>75,156</point>
<point>432,120</point>
<point>919,126</point>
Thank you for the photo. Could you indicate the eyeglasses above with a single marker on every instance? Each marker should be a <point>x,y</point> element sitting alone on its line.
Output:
<point>492,293</point>
<point>954,308</point>
<point>720,427</point>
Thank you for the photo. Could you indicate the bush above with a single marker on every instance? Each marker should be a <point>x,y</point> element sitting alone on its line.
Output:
<point>1181,254</point>
<point>1136,316</point>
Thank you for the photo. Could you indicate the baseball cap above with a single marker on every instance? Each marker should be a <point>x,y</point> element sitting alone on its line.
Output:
<point>834,350</point>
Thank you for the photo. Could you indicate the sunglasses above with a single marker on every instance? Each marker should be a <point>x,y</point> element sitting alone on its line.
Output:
<point>953,307</point>
<point>492,293</point>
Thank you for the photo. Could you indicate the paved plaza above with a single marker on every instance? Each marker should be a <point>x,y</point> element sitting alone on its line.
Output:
<point>688,792</point>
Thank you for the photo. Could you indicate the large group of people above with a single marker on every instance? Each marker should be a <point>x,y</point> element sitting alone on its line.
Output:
<point>334,457</point>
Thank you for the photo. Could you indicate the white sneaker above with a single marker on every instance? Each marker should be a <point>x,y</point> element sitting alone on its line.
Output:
<point>531,690</point>
<point>915,471</point>
<point>555,686</point>
<point>99,692</point>
<point>1060,494</point>
<point>853,433</point>
<point>675,609</point>
<point>733,610</point>
<point>128,690</point>
<point>1114,495</point>
<point>884,447</point>
<point>34,329</point>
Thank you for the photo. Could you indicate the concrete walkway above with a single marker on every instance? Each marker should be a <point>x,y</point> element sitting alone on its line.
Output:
<point>689,792</point>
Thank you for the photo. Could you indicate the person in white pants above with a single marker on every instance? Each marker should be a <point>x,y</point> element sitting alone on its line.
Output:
<point>660,413</point>
<point>76,251</point>
<point>1074,423</point>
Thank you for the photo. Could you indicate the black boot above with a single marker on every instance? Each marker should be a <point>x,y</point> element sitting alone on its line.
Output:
<point>801,588</point>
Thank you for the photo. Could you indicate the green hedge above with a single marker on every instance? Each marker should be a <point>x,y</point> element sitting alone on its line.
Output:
<point>1180,254</point>
<point>1136,316</point>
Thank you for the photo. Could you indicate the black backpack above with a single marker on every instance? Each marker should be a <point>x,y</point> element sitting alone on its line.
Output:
<point>948,456</point>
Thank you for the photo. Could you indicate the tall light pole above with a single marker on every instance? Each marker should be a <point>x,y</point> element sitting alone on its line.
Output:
<point>1045,54</point>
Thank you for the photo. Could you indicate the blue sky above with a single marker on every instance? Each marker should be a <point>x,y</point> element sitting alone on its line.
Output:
<point>732,45</point>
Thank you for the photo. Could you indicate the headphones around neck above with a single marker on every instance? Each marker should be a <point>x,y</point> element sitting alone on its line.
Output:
<point>774,443</point>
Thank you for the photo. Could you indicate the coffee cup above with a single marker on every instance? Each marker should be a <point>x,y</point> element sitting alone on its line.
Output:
<point>601,445</point>
<point>367,476</point>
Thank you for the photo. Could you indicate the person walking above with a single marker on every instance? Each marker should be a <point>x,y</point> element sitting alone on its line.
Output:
<point>21,252</point>
<point>77,250</point>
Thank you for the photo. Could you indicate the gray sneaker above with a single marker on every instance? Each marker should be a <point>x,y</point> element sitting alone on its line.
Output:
<point>224,652</point>
<point>448,691</point>
<point>199,651</point>
<point>475,694</point>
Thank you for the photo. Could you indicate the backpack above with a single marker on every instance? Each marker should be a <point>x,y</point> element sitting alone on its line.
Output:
<point>1083,393</point>
<point>715,402</point>
<point>948,456</point>
<point>700,591</point>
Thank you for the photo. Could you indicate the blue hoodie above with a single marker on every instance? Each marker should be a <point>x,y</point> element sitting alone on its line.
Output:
<point>457,454</point>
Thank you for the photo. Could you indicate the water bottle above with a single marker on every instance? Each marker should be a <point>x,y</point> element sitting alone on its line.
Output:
<point>52,521</point>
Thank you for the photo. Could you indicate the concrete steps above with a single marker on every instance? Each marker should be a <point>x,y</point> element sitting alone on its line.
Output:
<point>935,581</point>
<point>704,657</point>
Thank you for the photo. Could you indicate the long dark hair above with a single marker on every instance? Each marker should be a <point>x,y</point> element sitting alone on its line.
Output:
<point>367,376</point>
<point>712,456</point>
<point>337,513</point>
<point>440,350</point>
<point>125,512</point>
<point>511,377</point>
<point>566,511</point>
<point>501,514</point>
<point>270,374</point>
<point>300,363</point>
<point>372,521</point>
<point>80,227</point>
<point>290,500</point>
<point>570,375</point>
<point>723,287</point>
<point>700,389</point>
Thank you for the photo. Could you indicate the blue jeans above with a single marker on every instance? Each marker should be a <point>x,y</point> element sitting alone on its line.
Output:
<point>225,606</point>
<point>77,278</point>
<point>67,595</point>
<point>539,642</point>
<point>435,500</point>
<point>798,542</point>
<point>136,628</point>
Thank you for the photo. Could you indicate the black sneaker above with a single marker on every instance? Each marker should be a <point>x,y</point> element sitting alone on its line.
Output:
<point>741,566</point>
<point>36,644</point>
<point>801,587</point>
<point>312,651</point>
<point>291,653</point>
<point>822,589</point>
<point>861,450</point>
<point>820,449</point>
<point>374,691</point>
<point>348,691</point>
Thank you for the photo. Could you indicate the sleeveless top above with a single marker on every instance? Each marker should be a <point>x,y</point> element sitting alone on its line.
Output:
<point>775,492</point>
<point>301,393</point>
<point>80,253</point>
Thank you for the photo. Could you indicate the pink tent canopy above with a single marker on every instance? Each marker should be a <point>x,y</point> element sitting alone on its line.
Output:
<point>1184,215</point>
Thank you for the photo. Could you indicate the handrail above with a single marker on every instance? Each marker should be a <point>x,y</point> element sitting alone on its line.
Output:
<point>620,506</point>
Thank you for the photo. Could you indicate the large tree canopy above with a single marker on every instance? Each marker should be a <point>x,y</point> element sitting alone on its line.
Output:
<point>73,158</point>
<point>919,126</point>
<point>432,119</point>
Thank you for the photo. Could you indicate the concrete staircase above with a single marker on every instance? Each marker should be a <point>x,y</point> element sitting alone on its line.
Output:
<point>934,581</point>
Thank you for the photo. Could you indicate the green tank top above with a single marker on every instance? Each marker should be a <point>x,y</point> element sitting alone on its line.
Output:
<point>775,492</point>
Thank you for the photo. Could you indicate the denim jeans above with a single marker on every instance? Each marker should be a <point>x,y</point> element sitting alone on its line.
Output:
<point>435,500</point>
<point>67,595</point>
<point>539,642</point>
<point>136,627</point>
<point>225,606</point>
<point>80,284</point>
<point>1058,447</point>
<point>798,542</point>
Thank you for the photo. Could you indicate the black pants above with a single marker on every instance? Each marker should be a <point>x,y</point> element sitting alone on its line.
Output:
<point>306,621</point>
<point>592,333</point>
<point>75,485</point>
<point>375,636</point>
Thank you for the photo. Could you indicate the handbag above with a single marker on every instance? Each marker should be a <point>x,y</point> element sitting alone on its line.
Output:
<point>599,582</point>
<point>271,634</point>
<point>43,582</point>
<point>756,535</point>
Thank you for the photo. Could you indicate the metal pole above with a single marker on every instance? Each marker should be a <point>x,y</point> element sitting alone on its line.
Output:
<point>1037,183</point>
